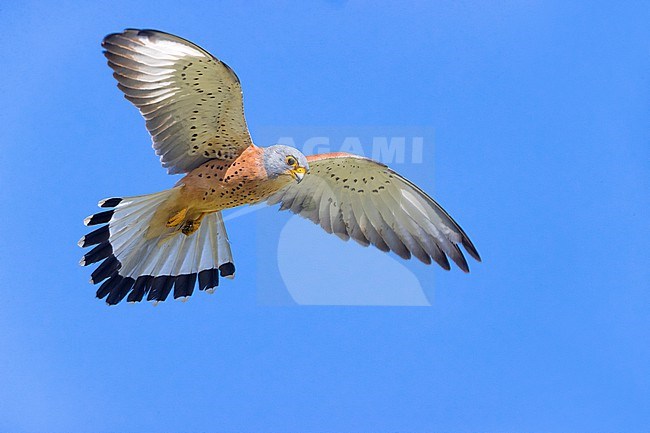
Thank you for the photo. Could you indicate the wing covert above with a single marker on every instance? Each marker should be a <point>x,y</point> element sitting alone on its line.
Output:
<point>191,101</point>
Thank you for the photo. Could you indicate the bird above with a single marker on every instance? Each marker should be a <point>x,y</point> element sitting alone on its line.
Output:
<point>175,240</point>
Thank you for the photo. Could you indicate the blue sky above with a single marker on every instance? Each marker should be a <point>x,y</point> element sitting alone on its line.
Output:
<point>540,112</point>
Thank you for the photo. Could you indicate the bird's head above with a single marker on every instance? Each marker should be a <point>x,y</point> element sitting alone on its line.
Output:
<point>281,160</point>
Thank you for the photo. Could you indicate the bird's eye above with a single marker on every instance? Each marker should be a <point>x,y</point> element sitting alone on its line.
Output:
<point>291,161</point>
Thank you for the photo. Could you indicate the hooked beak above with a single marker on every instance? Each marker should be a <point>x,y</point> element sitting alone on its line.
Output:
<point>298,173</point>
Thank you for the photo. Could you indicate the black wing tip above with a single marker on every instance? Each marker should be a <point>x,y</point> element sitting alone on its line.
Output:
<point>127,33</point>
<point>155,33</point>
<point>107,38</point>
<point>471,249</point>
<point>112,38</point>
<point>444,264</point>
<point>133,32</point>
<point>426,258</point>
<point>229,69</point>
<point>459,259</point>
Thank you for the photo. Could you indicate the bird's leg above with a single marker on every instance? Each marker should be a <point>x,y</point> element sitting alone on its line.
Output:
<point>177,218</point>
<point>191,226</point>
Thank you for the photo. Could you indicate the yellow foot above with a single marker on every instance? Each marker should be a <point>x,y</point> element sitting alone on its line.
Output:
<point>177,218</point>
<point>191,226</point>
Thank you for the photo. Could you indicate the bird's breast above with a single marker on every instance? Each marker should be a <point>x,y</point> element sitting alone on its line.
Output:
<point>217,185</point>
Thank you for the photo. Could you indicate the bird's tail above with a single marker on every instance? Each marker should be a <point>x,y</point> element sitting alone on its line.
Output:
<point>136,265</point>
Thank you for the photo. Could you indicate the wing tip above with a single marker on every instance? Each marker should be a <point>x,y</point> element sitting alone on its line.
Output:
<point>471,249</point>
<point>459,259</point>
<point>129,31</point>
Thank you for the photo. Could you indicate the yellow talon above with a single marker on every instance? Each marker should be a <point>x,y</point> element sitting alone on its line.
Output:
<point>191,226</point>
<point>177,218</point>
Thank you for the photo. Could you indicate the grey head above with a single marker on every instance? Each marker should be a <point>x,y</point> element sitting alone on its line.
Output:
<point>280,160</point>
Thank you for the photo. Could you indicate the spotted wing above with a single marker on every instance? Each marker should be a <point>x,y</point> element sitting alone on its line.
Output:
<point>192,102</point>
<point>358,198</point>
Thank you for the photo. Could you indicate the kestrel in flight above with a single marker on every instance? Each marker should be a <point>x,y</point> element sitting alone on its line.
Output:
<point>192,104</point>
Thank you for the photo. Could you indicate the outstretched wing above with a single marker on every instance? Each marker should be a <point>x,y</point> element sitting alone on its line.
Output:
<point>358,198</point>
<point>192,102</point>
